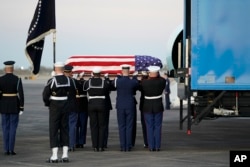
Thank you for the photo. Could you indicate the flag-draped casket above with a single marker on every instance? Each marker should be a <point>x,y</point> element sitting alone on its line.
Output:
<point>111,63</point>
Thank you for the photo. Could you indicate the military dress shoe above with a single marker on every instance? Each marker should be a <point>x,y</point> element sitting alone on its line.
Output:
<point>96,149</point>
<point>65,160</point>
<point>12,153</point>
<point>81,146</point>
<point>7,153</point>
<point>71,149</point>
<point>52,161</point>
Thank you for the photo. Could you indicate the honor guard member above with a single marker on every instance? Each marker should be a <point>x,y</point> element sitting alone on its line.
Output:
<point>73,106</point>
<point>11,106</point>
<point>82,121</point>
<point>55,96</point>
<point>143,124</point>
<point>125,104</point>
<point>153,88</point>
<point>97,89</point>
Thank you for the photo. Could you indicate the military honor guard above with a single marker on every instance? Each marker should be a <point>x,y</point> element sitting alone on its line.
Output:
<point>82,121</point>
<point>11,106</point>
<point>55,96</point>
<point>97,89</point>
<point>73,106</point>
<point>125,105</point>
<point>152,108</point>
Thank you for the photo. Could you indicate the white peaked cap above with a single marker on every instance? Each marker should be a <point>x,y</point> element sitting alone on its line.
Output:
<point>96,69</point>
<point>59,64</point>
<point>153,68</point>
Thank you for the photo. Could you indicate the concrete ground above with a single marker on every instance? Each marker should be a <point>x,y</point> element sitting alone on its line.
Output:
<point>207,146</point>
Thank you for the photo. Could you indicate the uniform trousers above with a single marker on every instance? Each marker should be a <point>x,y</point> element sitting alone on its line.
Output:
<point>9,126</point>
<point>72,128</point>
<point>106,136</point>
<point>97,126</point>
<point>154,125</point>
<point>144,129</point>
<point>125,119</point>
<point>81,128</point>
<point>59,123</point>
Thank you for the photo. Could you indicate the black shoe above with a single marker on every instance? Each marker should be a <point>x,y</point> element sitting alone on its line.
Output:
<point>102,149</point>
<point>145,146</point>
<point>52,161</point>
<point>122,150</point>
<point>71,149</point>
<point>77,145</point>
<point>81,146</point>
<point>158,149</point>
<point>151,150</point>
<point>65,160</point>
<point>12,153</point>
<point>7,153</point>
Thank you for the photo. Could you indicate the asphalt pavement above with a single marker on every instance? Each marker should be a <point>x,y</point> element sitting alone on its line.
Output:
<point>207,146</point>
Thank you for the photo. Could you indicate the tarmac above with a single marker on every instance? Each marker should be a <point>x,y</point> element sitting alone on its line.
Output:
<point>208,145</point>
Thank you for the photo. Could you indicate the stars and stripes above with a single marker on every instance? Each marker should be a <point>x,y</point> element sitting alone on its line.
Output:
<point>42,24</point>
<point>111,63</point>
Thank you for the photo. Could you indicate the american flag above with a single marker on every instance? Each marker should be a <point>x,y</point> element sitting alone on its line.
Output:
<point>111,63</point>
<point>42,24</point>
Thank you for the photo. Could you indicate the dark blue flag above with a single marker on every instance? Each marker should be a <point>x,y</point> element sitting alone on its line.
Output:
<point>42,24</point>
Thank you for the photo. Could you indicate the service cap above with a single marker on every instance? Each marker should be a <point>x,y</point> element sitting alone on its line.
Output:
<point>125,66</point>
<point>153,68</point>
<point>9,63</point>
<point>59,64</point>
<point>96,70</point>
<point>68,68</point>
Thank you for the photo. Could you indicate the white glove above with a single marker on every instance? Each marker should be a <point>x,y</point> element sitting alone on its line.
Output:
<point>75,76</point>
<point>135,73</point>
<point>106,75</point>
<point>20,112</point>
<point>81,74</point>
<point>53,73</point>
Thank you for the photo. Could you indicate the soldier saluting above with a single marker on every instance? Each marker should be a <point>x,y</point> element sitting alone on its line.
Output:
<point>11,105</point>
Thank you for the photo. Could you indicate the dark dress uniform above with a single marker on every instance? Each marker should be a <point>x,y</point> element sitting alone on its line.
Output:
<point>97,89</point>
<point>125,105</point>
<point>11,103</point>
<point>55,96</point>
<point>153,110</point>
<point>73,112</point>
<point>167,93</point>
<point>82,121</point>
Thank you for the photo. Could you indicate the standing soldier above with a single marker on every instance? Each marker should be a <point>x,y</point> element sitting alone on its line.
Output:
<point>125,105</point>
<point>55,96</point>
<point>97,89</point>
<point>153,88</point>
<point>81,126</point>
<point>11,106</point>
<point>73,106</point>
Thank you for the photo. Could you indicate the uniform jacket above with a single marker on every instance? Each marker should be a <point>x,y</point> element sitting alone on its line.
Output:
<point>126,88</point>
<point>11,84</point>
<point>153,87</point>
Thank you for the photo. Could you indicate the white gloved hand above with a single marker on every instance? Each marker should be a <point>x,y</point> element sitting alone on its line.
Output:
<point>81,74</point>
<point>106,75</point>
<point>20,112</point>
<point>135,73</point>
<point>75,76</point>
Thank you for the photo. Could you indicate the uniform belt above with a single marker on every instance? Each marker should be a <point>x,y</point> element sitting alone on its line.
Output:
<point>58,98</point>
<point>9,94</point>
<point>78,96</point>
<point>96,97</point>
<point>153,97</point>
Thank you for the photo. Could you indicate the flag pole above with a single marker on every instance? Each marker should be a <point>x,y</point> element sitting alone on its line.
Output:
<point>54,48</point>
